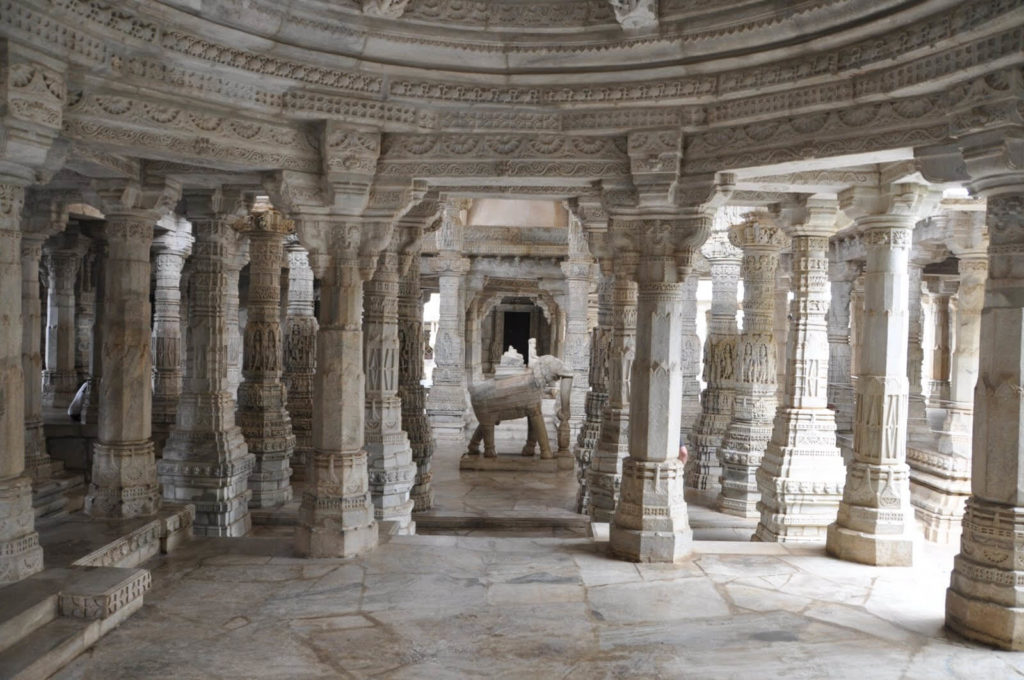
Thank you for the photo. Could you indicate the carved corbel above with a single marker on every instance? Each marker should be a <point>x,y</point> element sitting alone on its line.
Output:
<point>655,158</point>
<point>32,99</point>
<point>349,164</point>
<point>907,201</point>
<point>45,212</point>
<point>156,197</point>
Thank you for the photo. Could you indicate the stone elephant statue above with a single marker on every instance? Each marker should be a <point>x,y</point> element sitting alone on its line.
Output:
<point>519,396</point>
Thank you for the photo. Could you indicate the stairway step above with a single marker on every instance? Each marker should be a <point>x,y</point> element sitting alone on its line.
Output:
<point>27,606</point>
<point>48,649</point>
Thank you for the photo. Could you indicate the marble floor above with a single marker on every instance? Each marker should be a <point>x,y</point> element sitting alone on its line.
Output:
<point>537,599</point>
<point>471,607</point>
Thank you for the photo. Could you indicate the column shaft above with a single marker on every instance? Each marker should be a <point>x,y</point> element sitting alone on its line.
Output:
<point>874,522</point>
<point>597,397</point>
<point>300,357</point>
<point>840,386</point>
<point>336,517</point>
<point>392,472</point>
<point>123,468</point>
<point>85,315</point>
<point>168,261</point>
<point>605,476</point>
<point>985,601</point>
<point>37,460</point>
<point>265,422</point>
<point>20,554</point>
<point>60,381</point>
<point>205,460</point>
<point>410,388</point>
<point>750,429</point>
<point>576,348</point>
<point>690,364</point>
<point>704,470</point>
<point>802,474</point>
<point>446,404</point>
<point>650,522</point>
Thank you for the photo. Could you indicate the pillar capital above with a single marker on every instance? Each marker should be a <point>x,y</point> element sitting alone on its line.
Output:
<point>893,205</point>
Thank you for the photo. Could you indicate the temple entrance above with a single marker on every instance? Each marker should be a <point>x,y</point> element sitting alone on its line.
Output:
<point>517,333</point>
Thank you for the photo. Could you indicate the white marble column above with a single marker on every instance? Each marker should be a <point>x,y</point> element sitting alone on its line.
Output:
<point>597,397</point>
<point>171,247</point>
<point>605,476</point>
<point>124,481</point>
<point>300,357</point>
<point>650,522</point>
<point>336,517</point>
<point>750,429</point>
<point>410,388</point>
<point>917,418</point>
<point>875,522</point>
<point>802,473</point>
<point>62,256</point>
<point>576,347</point>
<point>261,414</point>
<point>392,472</point>
<point>783,278</point>
<point>85,314</point>
<point>690,363</point>
<point>20,554</point>
<point>941,483</point>
<point>985,601</point>
<point>232,297</point>
<point>205,460</point>
<point>41,219</point>
<point>840,385</point>
<point>446,404</point>
<point>704,470</point>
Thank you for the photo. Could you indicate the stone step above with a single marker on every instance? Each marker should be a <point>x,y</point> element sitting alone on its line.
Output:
<point>25,607</point>
<point>37,642</point>
<point>172,525</point>
<point>63,493</point>
<point>48,649</point>
<point>441,523</point>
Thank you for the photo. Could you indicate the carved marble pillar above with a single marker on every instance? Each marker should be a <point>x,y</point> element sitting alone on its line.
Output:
<point>985,601</point>
<point>597,397</point>
<point>840,385</point>
<point>300,357</point>
<point>690,362</point>
<point>411,392</point>
<point>391,469</point>
<point>90,404</point>
<point>446,404</point>
<point>576,347</point>
<point>750,429</point>
<point>262,415</point>
<point>605,476</point>
<point>875,524</point>
<point>171,247</point>
<point>650,522</point>
<point>37,459</point>
<point>802,473</point>
<point>85,314</point>
<point>917,417</point>
<point>20,554</point>
<point>703,470</point>
<point>336,517</point>
<point>940,485</point>
<point>206,461</point>
<point>124,481</point>
<point>234,328</point>
<point>783,277</point>
<point>60,381</point>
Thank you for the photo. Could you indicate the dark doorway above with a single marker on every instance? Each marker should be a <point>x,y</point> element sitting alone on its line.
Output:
<point>517,333</point>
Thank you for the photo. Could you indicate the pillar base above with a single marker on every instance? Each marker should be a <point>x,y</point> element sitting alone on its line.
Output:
<point>422,498</point>
<point>59,388</point>
<point>20,554</point>
<point>874,549</point>
<point>739,495</point>
<point>985,622</point>
<point>984,601</point>
<point>335,527</point>
<point>38,465</point>
<point>210,470</point>
<point>650,523</point>
<point>604,494</point>
<point>123,481</point>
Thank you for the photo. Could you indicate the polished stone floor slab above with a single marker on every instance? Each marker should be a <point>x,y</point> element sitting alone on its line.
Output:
<point>492,607</point>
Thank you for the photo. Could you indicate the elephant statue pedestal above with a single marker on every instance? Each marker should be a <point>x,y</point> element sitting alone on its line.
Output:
<point>520,396</point>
